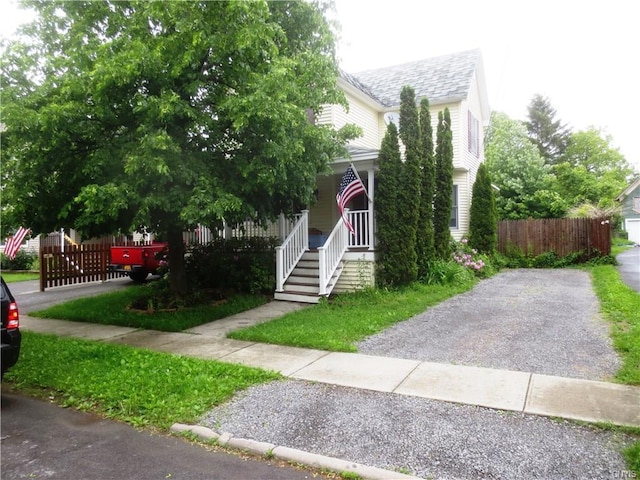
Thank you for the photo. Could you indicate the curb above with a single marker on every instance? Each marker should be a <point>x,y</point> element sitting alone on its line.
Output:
<point>312,460</point>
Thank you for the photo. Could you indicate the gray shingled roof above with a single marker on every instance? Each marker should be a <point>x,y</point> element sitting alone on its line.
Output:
<point>441,79</point>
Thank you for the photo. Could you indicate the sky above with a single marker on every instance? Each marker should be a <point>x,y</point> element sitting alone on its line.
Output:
<point>582,55</point>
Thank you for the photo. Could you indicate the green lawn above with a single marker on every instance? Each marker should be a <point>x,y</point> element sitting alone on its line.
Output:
<point>12,277</point>
<point>339,324</point>
<point>111,309</point>
<point>137,386</point>
<point>621,307</point>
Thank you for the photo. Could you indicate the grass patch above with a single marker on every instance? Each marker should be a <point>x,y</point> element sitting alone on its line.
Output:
<point>632,456</point>
<point>338,324</point>
<point>140,387</point>
<point>12,277</point>
<point>620,305</point>
<point>112,309</point>
<point>619,245</point>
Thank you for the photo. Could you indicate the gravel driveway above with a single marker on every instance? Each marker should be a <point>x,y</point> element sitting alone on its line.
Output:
<point>539,321</point>
<point>543,321</point>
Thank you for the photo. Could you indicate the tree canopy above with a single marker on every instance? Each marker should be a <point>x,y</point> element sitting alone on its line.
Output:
<point>591,170</point>
<point>526,184</point>
<point>161,115</point>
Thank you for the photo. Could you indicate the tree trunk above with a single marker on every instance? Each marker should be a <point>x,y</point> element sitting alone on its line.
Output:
<point>177,273</point>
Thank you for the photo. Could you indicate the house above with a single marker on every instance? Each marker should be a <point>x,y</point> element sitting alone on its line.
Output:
<point>630,202</point>
<point>342,261</point>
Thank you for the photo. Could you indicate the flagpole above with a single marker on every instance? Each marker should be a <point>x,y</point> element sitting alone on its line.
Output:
<point>358,175</point>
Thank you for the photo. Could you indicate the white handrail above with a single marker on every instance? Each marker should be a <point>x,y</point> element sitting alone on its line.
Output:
<point>330,255</point>
<point>289,253</point>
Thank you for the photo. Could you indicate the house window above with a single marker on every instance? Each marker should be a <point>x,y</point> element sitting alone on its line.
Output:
<point>453,221</point>
<point>636,204</point>
<point>473,134</point>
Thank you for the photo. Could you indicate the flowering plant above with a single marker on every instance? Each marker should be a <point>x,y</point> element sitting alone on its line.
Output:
<point>468,257</point>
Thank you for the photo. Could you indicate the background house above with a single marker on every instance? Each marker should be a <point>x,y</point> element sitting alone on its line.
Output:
<point>454,81</point>
<point>630,202</point>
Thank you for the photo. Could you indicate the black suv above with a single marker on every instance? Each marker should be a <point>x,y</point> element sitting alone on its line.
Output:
<point>10,329</point>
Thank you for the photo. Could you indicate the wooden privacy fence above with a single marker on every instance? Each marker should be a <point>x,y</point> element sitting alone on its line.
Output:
<point>76,264</point>
<point>561,235</point>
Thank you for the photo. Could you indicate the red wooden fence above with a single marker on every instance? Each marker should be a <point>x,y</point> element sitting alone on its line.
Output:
<point>560,235</point>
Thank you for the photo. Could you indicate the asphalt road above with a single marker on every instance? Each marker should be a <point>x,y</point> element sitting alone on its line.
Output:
<point>629,267</point>
<point>42,440</point>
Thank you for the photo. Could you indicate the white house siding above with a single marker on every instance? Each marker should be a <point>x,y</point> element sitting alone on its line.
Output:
<point>358,272</point>
<point>470,160</point>
<point>323,214</point>
<point>465,188</point>
<point>359,114</point>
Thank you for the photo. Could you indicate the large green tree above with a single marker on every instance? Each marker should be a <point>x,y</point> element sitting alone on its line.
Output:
<point>545,131</point>
<point>409,195</point>
<point>444,186</point>
<point>160,115</point>
<point>527,187</point>
<point>424,240</point>
<point>591,171</point>
<point>389,262</point>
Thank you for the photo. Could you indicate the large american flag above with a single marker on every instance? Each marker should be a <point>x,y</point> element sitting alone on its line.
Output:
<point>13,243</point>
<point>350,186</point>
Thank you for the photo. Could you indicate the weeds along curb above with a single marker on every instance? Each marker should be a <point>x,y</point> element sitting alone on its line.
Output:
<point>269,450</point>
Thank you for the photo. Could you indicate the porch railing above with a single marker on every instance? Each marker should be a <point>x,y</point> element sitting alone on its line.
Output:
<point>361,225</point>
<point>289,253</point>
<point>330,255</point>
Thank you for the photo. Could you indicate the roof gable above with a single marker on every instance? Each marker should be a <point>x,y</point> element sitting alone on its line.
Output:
<point>627,191</point>
<point>442,79</point>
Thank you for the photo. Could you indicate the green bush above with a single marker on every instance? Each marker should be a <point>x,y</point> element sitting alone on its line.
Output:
<point>441,272</point>
<point>239,264</point>
<point>22,261</point>
<point>515,258</point>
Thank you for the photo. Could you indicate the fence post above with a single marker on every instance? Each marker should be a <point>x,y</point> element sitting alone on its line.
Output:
<point>43,270</point>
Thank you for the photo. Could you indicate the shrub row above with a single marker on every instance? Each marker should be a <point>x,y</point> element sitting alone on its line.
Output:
<point>239,264</point>
<point>22,261</point>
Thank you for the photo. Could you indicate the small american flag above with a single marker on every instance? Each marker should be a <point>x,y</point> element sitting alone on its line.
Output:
<point>350,186</point>
<point>13,243</point>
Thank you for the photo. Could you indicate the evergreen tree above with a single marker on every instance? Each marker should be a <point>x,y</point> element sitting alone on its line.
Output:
<point>424,241</point>
<point>549,135</point>
<point>483,224</point>
<point>409,195</point>
<point>442,202</point>
<point>389,243</point>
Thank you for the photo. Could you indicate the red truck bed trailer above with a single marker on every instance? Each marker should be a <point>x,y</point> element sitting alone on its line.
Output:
<point>137,261</point>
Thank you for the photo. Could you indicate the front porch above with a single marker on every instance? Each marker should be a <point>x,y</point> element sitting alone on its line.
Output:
<point>307,271</point>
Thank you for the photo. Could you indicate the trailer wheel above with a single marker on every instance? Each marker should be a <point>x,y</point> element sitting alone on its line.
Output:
<point>138,276</point>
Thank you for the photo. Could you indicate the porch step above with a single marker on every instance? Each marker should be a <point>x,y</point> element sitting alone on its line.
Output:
<point>290,296</point>
<point>303,285</point>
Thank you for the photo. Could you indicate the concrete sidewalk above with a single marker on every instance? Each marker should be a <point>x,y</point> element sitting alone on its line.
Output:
<point>529,393</point>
